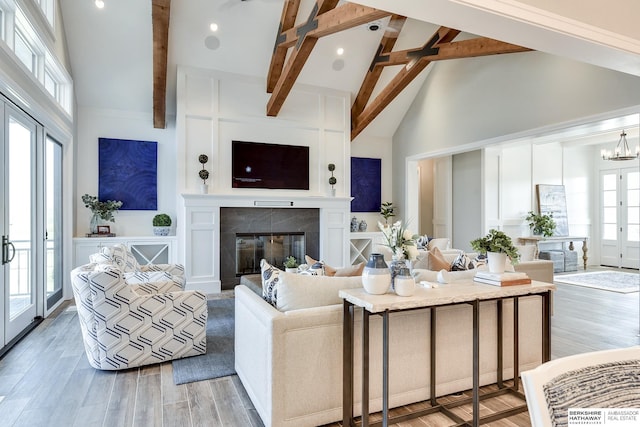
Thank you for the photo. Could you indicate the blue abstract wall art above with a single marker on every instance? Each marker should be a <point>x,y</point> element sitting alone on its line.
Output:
<point>127,171</point>
<point>366,177</point>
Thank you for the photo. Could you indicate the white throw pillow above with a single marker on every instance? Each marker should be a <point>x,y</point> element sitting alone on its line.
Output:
<point>526,252</point>
<point>440,243</point>
<point>296,291</point>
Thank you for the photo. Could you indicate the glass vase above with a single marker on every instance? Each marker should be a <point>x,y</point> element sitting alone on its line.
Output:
<point>93,224</point>
<point>397,262</point>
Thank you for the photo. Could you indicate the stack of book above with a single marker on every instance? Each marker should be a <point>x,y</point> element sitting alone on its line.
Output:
<point>502,279</point>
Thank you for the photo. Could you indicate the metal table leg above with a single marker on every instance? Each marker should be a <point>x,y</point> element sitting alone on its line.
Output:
<point>347,364</point>
<point>385,368</point>
<point>365,368</point>
<point>476,364</point>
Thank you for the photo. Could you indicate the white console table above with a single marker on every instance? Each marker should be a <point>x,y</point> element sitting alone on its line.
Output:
<point>462,292</point>
<point>537,240</point>
<point>146,249</point>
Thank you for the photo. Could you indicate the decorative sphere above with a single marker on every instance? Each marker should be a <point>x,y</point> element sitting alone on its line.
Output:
<point>202,158</point>
<point>204,174</point>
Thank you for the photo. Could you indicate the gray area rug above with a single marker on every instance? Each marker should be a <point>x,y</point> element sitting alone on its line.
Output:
<point>616,281</point>
<point>219,359</point>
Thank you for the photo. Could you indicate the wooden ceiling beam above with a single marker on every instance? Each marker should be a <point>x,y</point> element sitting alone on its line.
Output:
<point>400,81</point>
<point>373,73</point>
<point>339,19</point>
<point>287,21</point>
<point>481,46</point>
<point>325,19</point>
<point>160,12</point>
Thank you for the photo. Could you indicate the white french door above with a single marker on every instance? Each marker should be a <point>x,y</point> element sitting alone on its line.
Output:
<point>18,227</point>
<point>620,217</point>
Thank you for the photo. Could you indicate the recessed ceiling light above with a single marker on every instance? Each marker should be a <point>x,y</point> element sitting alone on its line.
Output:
<point>213,26</point>
<point>340,51</point>
<point>99,4</point>
<point>212,42</point>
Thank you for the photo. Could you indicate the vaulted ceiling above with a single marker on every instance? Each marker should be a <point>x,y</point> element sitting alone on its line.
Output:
<point>286,42</point>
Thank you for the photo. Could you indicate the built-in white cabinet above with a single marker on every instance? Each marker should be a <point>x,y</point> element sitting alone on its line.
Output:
<point>362,244</point>
<point>146,249</point>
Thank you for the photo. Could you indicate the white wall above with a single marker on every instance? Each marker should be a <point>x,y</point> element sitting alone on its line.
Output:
<point>93,124</point>
<point>471,103</point>
<point>467,199</point>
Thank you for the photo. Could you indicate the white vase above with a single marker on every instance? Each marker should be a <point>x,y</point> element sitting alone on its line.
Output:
<point>405,285</point>
<point>376,277</point>
<point>204,189</point>
<point>496,261</point>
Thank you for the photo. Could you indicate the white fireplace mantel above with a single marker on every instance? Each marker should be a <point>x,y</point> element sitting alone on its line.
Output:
<point>198,230</point>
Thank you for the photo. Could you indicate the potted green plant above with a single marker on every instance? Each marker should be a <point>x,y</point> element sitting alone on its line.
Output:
<point>541,224</point>
<point>161,224</point>
<point>101,210</point>
<point>291,264</point>
<point>496,242</point>
<point>386,210</point>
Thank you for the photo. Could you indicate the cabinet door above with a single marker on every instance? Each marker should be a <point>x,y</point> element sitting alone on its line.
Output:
<point>83,250</point>
<point>152,252</point>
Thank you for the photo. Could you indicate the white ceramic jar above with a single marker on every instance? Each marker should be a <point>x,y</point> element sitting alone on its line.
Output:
<point>405,285</point>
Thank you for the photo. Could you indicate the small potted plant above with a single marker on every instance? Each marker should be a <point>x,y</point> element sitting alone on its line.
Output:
<point>386,210</point>
<point>101,210</point>
<point>498,246</point>
<point>541,224</point>
<point>161,224</point>
<point>332,179</point>
<point>291,264</point>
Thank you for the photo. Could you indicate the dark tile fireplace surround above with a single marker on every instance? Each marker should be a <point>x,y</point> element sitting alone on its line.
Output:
<point>263,221</point>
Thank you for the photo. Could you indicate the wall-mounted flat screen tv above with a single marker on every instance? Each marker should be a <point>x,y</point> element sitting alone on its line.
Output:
<point>276,166</point>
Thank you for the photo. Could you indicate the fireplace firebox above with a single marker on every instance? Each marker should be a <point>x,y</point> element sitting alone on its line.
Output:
<point>251,248</point>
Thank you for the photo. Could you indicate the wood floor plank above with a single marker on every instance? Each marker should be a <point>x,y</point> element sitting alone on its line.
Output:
<point>176,414</point>
<point>148,408</point>
<point>228,403</point>
<point>122,400</point>
<point>171,393</point>
<point>202,404</point>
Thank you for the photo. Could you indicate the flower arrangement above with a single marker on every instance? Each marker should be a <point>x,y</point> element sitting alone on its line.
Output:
<point>496,241</point>
<point>104,210</point>
<point>541,224</point>
<point>401,241</point>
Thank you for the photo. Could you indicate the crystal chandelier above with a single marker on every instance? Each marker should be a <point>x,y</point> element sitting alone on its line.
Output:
<point>622,151</point>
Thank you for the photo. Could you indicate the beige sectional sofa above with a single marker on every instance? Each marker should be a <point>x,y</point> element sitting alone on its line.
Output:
<point>290,361</point>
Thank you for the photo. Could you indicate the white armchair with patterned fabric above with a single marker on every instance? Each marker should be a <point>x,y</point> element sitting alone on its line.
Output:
<point>144,276</point>
<point>598,379</point>
<point>122,328</point>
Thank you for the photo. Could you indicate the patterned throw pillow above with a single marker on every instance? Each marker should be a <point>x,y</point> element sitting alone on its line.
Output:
<point>270,279</point>
<point>462,262</point>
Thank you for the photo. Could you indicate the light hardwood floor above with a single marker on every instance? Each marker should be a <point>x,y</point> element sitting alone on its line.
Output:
<point>45,380</point>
